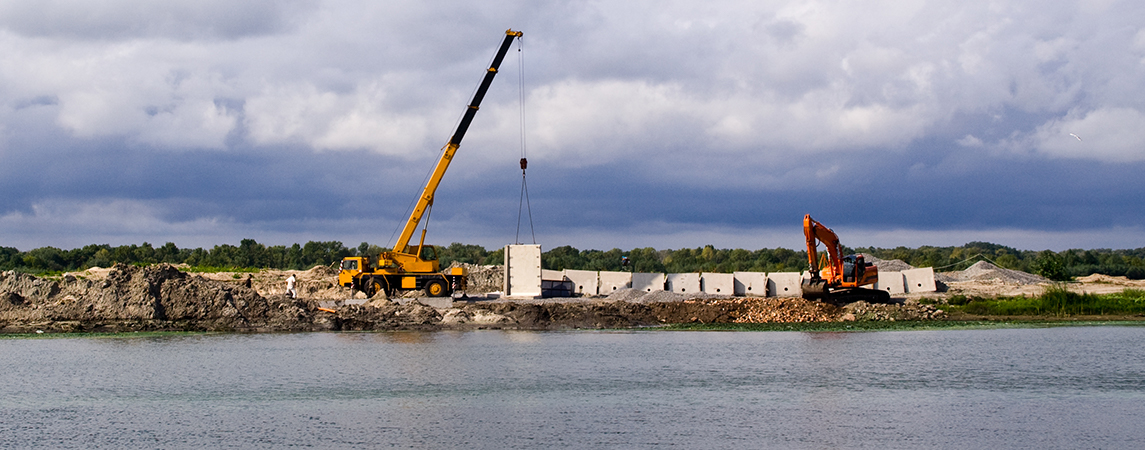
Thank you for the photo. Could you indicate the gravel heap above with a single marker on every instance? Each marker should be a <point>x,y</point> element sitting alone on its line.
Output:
<point>888,265</point>
<point>984,271</point>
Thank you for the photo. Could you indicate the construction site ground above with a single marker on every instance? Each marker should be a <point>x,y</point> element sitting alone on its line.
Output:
<point>163,297</point>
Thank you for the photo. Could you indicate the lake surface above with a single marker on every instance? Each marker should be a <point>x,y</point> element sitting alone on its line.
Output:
<point>1004,388</point>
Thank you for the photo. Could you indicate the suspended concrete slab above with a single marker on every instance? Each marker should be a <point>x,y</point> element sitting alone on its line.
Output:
<point>522,271</point>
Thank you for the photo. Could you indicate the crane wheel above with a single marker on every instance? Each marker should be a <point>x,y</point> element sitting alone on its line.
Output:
<point>374,286</point>
<point>435,288</point>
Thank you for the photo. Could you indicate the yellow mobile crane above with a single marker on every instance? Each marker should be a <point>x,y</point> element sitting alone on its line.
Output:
<point>416,266</point>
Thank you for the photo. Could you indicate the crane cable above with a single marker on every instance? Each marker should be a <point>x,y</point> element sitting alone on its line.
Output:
<point>524,161</point>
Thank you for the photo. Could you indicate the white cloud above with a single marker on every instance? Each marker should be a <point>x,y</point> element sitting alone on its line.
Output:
<point>328,120</point>
<point>1108,134</point>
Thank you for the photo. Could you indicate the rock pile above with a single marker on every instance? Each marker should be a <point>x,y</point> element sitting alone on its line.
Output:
<point>909,310</point>
<point>786,310</point>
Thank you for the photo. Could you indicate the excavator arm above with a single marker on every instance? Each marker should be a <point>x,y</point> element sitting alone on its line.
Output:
<point>816,232</point>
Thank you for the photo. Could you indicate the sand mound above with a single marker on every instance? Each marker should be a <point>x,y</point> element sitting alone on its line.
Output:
<point>984,271</point>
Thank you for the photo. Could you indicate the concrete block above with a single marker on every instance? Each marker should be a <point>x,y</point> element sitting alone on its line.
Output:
<point>523,271</point>
<point>891,282</point>
<point>717,283</point>
<point>751,284</point>
<point>648,282</point>
<point>683,283</point>
<point>552,275</point>
<point>784,284</point>
<point>919,280</point>
<point>613,281</point>
<point>585,282</point>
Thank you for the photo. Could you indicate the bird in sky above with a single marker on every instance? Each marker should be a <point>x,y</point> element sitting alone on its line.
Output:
<point>1076,136</point>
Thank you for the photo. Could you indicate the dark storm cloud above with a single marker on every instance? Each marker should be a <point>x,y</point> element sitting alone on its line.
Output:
<point>648,123</point>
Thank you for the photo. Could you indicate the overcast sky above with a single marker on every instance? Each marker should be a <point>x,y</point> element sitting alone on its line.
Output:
<point>656,123</point>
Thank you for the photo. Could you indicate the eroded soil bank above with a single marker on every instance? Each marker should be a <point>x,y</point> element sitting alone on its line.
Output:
<point>160,298</point>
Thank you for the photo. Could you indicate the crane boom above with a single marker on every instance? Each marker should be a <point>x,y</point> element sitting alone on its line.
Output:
<point>426,199</point>
<point>406,267</point>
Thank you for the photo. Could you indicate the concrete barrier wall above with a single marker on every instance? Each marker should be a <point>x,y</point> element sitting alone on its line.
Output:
<point>919,280</point>
<point>586,281</point>
<point>717,283</point>
<point>523,271</point>
<point>891,282</point>
<point>784,284</point>
<point>648,282</point>
<point>752,284</point>
<point>613,281</point>
<point>683,283</point>
<point>552,275</point>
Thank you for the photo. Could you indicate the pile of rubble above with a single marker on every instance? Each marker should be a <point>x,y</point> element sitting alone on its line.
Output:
<point>908,310</point>
<point>786,310</point>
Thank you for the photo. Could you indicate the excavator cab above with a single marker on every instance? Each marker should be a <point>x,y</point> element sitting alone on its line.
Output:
<point>853,268</point>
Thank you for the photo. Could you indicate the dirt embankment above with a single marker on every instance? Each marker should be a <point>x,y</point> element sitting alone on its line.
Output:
<point>160,297</point>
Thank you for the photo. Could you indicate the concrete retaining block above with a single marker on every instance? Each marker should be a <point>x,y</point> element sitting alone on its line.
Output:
<point>648,282</point>
<point>586,281</point>
<point>752,284</point>
<point>523,271</point>
<point>613,281</point>
<point>784,284</point>
<point>919,280</point>
<point>891,282</point>
<point>717,283</point>
<point>683,283</point>
<point>552,275</point>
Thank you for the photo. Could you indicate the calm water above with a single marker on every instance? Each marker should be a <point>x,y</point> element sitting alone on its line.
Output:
<point>1023,388</point>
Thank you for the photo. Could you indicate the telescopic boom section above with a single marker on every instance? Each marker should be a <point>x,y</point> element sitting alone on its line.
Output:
<point>426,199</point>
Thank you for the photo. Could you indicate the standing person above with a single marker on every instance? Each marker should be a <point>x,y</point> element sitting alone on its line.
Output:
<point>290,286</point>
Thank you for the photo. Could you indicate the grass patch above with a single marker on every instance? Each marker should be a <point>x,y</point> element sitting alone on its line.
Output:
<point>1056,301</point>
<point>894,326</point>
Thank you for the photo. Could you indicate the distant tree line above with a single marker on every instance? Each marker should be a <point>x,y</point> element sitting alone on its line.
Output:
<point>253,255</point>
<point>1053,265</point>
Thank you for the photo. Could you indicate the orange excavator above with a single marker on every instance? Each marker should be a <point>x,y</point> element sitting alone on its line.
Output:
<point>835,277</point>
